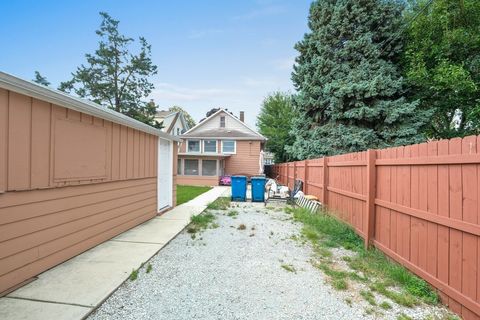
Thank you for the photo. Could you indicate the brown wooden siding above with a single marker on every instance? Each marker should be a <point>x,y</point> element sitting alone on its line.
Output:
<point>68,181</point>
<point>245,161</point>
<point>197,181</point>
<point>43,147</point>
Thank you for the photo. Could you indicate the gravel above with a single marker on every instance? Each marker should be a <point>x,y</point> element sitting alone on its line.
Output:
<point>227,273</point>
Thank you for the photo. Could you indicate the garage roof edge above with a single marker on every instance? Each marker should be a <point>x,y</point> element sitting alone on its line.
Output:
<point>63,99</point>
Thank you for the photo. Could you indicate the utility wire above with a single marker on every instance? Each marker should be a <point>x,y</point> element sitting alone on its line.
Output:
<point>422,10</point>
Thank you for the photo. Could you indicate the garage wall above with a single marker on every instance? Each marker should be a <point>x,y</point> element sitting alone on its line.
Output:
<point>68,181</point>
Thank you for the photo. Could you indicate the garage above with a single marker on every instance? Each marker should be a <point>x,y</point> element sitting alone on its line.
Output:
<point>72,175</point>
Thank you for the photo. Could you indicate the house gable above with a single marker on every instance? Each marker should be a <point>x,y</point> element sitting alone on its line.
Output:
<point>233,127</point>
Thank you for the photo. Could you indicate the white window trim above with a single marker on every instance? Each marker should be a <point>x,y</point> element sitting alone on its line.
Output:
<point>203,146</point>
<point>234,147</point>
<point>199,146</point>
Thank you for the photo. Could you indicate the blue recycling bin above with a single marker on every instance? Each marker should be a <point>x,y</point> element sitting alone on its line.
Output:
<point>258,189</point>
<point>239,188</point>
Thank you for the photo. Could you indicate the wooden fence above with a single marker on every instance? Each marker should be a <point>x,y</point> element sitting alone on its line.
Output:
<point>419,204</point>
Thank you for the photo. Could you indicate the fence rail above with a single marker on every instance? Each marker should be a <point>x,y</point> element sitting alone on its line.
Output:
<point>419,204</point>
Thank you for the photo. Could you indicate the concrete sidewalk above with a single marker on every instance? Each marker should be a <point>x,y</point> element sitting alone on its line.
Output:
<point>76,287</point>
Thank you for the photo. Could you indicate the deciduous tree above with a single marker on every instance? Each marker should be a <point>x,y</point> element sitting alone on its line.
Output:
<point>275,123</point>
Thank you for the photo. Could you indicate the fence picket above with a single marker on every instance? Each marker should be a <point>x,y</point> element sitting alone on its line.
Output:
<point>419,204</point>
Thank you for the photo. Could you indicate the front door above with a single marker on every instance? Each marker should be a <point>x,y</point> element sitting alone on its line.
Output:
<point>164,174</point>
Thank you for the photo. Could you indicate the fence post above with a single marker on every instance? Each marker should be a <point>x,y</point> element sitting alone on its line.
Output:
<point>294,173</point>
<point>325,182</point>
<point>371,193</point>
<point>305,177</point>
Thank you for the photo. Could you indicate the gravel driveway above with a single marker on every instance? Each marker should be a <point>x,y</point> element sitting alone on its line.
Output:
<point>227,273</point>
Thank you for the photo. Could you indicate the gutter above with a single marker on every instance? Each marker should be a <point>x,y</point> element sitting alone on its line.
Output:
<point>62,99</point>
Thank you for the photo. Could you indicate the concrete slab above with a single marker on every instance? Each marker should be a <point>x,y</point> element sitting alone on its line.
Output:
<point>33,310</point>
<point>182,212</point>
<point>71,289</point>
<point>205,198</point>
<point>91,277</point>
<point>154,231</point>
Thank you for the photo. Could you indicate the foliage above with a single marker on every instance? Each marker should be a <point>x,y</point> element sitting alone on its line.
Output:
<point>222,203</point>
<point>113,76</point>
<point>325,230</point>
<point>442,64</point>
<point>187,193</point>
<point>188,118</point>
<point>41,79</point>
<point>201,222</point>
<point>275,123</point>
<point>350,89</point>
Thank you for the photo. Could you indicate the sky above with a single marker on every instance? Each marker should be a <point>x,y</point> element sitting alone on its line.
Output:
<point>209,54</point>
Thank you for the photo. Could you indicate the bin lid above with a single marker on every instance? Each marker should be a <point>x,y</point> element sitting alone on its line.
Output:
<point>258,178</point>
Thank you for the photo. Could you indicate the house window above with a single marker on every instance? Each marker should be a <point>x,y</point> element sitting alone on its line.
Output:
<point>193,146</point>
<point>209,167</point>
<point>179,166</point>
<point>228,146</point>
<point>222,122</point>
<point>178,131</point>
<point>191,167</point>
<point>210,146</point>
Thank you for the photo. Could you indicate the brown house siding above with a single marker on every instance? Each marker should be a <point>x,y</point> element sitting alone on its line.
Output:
<point>68,181</point>
<point>245,161</point>
<point>197,181</point>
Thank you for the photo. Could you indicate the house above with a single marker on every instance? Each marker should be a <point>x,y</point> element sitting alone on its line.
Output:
<point>221,144</point>
<point>73,174</point>
<point>173,122</point>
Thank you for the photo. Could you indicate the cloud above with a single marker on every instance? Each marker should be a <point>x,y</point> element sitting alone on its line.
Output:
<point>284,63</point>
<point>270,10</point>
<point>202,33</point>
<point>170,92</point>
<point>258,82</point>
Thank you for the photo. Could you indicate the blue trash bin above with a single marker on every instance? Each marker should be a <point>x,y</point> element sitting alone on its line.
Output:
<point>239,188</point>
<point>258,189</point>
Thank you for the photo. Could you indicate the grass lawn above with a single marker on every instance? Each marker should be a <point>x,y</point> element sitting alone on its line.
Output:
<point>187,193</point>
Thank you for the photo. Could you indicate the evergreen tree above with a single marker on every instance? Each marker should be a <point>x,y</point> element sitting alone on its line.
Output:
<point>275,123</point>
<point>114,77</point>
<point>41,79</point>
<point>350,90</point>
<point>442,63</point>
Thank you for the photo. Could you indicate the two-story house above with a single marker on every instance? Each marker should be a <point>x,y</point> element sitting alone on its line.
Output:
<point>221,144</point>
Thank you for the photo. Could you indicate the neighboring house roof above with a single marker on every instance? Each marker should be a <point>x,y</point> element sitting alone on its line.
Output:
<point>247,134</point>
<point>169,118</point>
<point>63,99</point>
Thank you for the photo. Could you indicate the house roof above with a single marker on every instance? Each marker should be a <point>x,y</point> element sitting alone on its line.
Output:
<point>224,132</point>
<point>63,99</point>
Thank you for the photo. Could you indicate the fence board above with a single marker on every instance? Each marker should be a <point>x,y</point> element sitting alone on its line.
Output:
<point>425,208</point>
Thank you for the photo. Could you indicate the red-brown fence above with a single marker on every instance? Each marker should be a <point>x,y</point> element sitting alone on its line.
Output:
<point>419,204</point>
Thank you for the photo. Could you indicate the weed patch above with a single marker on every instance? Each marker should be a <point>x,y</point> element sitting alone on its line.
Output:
<point>242,227</point>
<point>133,275</point>
<point>201,222</point>
<point>289,268</point>
<point>220,204</point>
<point>384,275</point>
<point>232,213</point>
<point>149,268</point>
